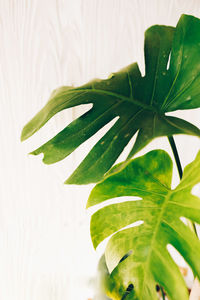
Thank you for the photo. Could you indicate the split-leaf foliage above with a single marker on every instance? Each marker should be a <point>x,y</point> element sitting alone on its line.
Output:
<point>160,209</point>
<point>137,256</point>
<point>171,82</point>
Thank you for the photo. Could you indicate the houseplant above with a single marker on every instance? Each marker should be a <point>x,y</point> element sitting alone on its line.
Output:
<point>137,257</point>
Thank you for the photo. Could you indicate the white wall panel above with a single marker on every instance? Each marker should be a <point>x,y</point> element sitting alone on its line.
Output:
<point>45,248</point>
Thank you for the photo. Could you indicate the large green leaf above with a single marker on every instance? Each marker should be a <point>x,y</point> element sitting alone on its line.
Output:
<point>160,209</point>
<point>140,103</point>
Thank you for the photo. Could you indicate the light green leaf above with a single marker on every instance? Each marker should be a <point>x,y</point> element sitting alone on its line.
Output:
<point>160,209</point>
<point>141,103</point>
<point>109,286</point>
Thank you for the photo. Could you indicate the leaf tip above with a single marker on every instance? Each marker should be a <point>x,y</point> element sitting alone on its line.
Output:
<point>91,201</point>
<point>87,204</point>
<point>72,180</point>
<point>35,152</point>
<point>67,181</point>
<point>32,153</point>
<point>22,138</point>
<point>94,243</point>
<point>24,135</point>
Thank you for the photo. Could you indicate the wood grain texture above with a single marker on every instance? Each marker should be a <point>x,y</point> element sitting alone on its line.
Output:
<point>45,248</point>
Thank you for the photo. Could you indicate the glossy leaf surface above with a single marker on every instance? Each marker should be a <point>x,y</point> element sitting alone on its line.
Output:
<point>160,209</point>
<point>171,82</point>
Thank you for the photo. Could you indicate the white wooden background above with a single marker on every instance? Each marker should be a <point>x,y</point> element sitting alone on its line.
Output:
<point>45,247</point>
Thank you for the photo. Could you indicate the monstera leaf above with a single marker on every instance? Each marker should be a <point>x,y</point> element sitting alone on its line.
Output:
<point>107,283</point>
<point>171,82</point>
<point>160,209</point>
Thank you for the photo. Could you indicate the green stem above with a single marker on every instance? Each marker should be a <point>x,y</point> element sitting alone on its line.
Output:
<point>162,293</point>
<point>176,156</point>
<point>180,172</point>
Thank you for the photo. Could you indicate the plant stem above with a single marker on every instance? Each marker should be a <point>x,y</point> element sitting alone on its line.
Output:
<point>176,156</point>
<point>190,224</point>
<point>162,293</point>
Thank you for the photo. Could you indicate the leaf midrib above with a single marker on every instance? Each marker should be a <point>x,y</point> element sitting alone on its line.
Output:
<point>163,106</point>
<point>119,96</point>
<point>111,144</point>
<point>89,125</point>
<point>155,77</point>
<point>143,190</point>
<point>176,126</point>
<point>146,265</point>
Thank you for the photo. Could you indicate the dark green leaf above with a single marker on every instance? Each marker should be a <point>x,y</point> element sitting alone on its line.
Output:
<point>160,209</point>
<point>140,103</point>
